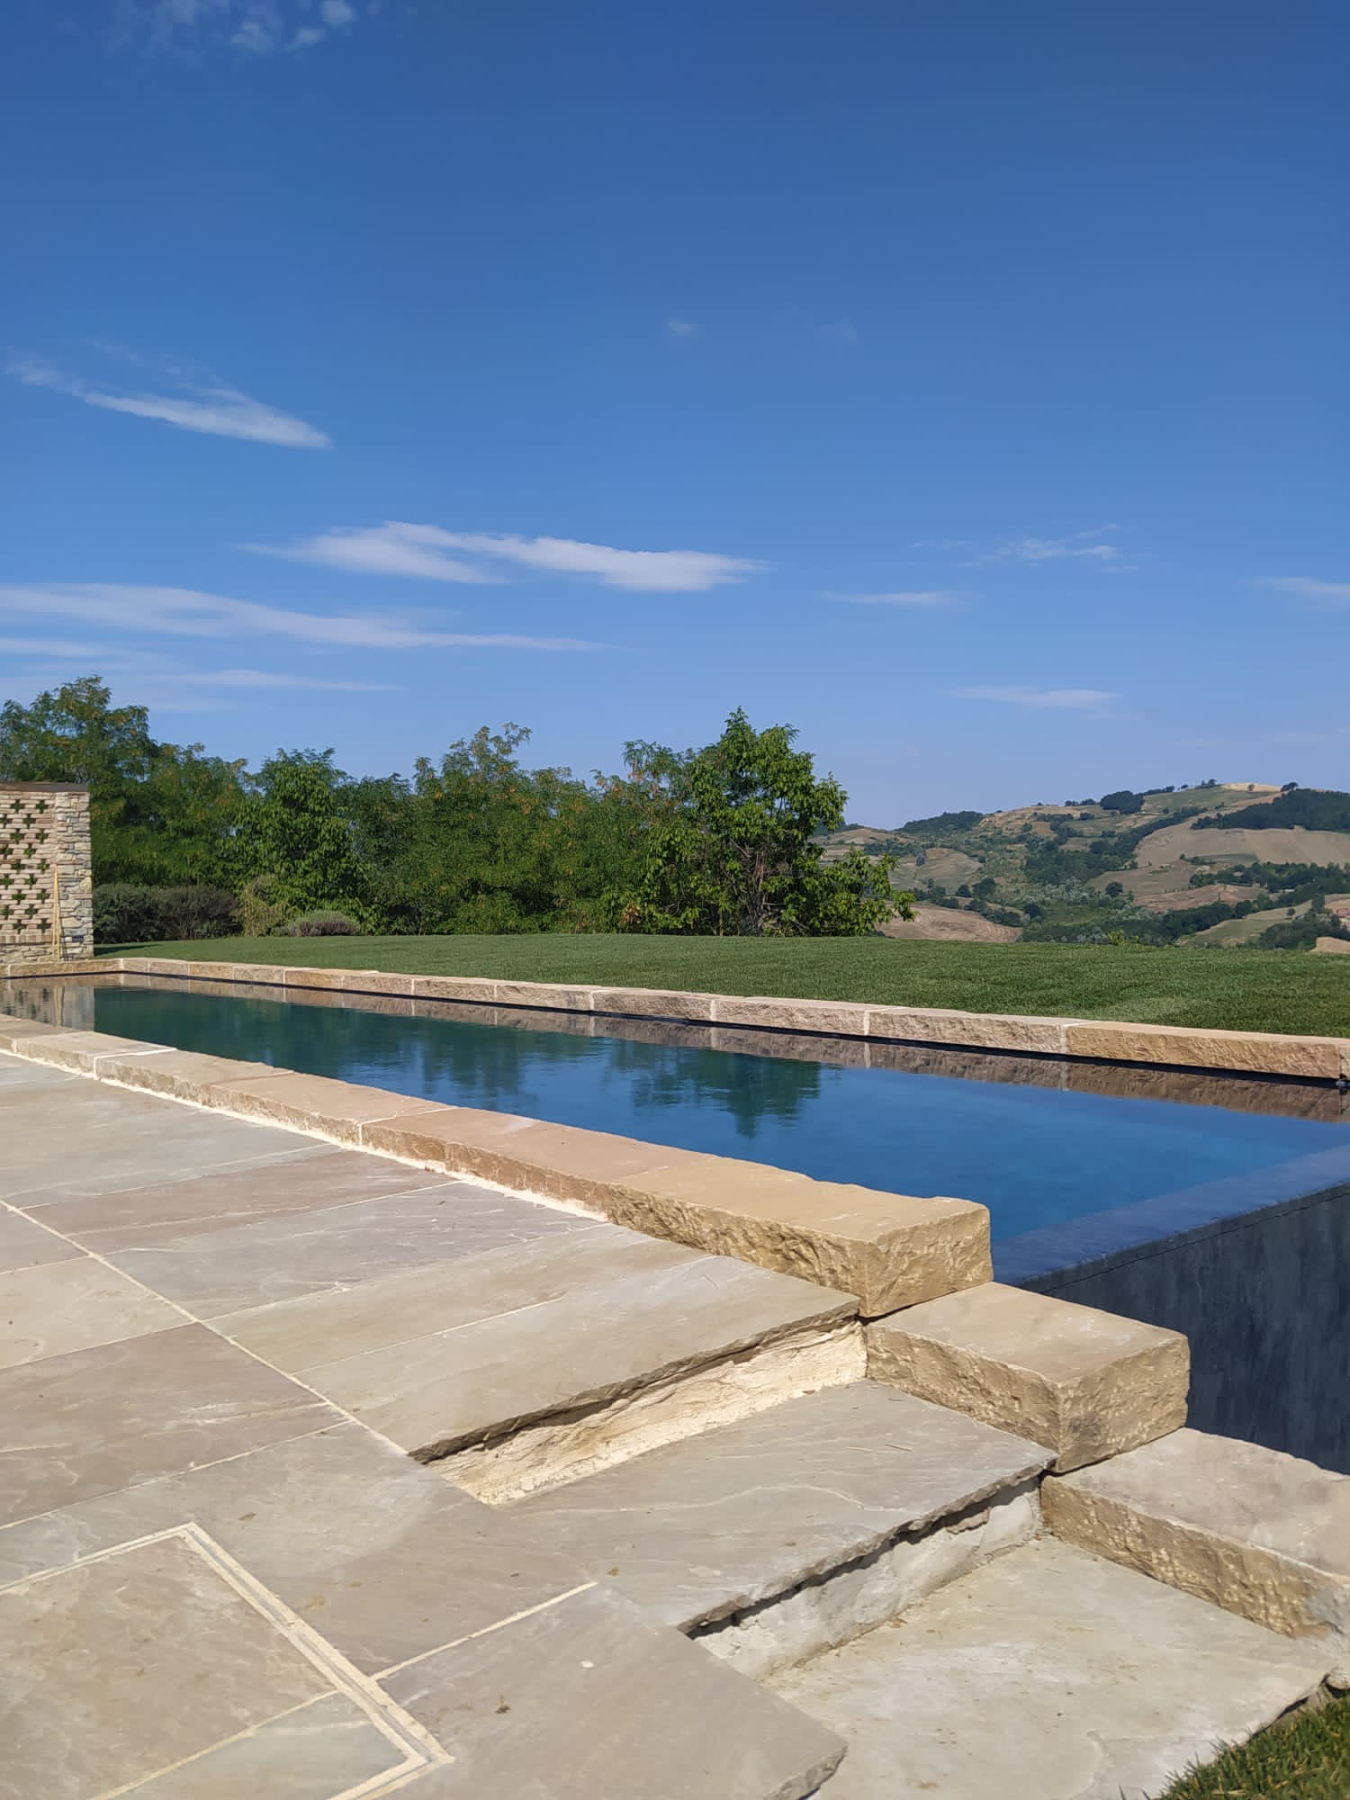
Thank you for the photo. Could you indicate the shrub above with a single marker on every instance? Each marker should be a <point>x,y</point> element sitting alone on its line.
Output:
<point>264,913</point>
<point>322,924</point>
<point>125,913</point>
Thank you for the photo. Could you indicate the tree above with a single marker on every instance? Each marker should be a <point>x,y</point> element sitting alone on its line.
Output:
<point>1114,889</point>
<point>158,814</point>
<point>737,858</point>
<point>296,835</point>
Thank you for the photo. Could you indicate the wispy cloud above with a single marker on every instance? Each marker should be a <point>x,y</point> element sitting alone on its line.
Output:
<point>185,612</point>
<point>1331,595</point>
<point>1090,546</point>
<point>681,328</point>
<point>272,678</point>
<point>396,548</point>
<point>1066,699</point>
<point>215,410</point>
<point>191,28</point>
<point>838,331</point>
<point>905,597</point>
<point>1094,546</point>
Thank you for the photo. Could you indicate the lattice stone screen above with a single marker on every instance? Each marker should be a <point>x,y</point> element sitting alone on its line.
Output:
<point>46,881</point>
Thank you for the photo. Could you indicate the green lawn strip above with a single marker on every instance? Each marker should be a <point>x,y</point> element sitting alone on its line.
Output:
<point>1238,990</point>
<point>1307,1758</point>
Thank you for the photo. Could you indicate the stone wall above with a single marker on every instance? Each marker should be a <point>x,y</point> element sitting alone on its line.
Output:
<point>46,876</point>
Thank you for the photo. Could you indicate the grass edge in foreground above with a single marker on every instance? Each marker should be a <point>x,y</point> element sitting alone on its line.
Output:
<point>1238,990</point>
<point>1306,1757</point>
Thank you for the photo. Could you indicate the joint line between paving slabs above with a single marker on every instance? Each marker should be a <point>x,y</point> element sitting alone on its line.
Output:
<point>419,1749</point>
<point>487,1630</point>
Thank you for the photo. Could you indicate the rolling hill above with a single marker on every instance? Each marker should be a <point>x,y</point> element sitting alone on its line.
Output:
<point>1161,867</point>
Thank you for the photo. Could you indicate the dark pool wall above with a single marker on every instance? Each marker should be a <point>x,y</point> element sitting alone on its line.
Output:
<point>1265,1302</point>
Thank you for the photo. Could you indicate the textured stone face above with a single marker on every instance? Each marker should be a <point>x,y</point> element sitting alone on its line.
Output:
<point>889,1250</point>
<point>1249,1529</point>
<point>1084,1383</point>
<point>1262,1052</point>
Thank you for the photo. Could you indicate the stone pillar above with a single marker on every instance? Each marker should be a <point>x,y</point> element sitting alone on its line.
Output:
<point>46,874</point>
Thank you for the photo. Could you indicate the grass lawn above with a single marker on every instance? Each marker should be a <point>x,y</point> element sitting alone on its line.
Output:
<point>1243,990</point>
<point>1307,1759</point>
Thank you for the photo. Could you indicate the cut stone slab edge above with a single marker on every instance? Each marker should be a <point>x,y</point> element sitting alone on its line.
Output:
<point>1112,1040</point>
<point>877,1250</point>
<point>1160,1509</point>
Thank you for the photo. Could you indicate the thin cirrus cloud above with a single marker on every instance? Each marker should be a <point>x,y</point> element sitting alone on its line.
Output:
<point>192,28</point>
<point>681,328</point>
<point>920,597</point>
<point>426,551</point>
<point>214,410</point>
<point>1038,698</point>
<point>1333,595</point>
<point>185,612</point>
<point>1093,546</point>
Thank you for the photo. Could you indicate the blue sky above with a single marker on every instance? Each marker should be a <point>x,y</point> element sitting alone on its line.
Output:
<point>966,384</point>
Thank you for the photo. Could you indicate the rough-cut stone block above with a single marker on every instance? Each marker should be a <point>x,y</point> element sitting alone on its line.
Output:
<point>219,971</point>
<point>78,1049</point>
<point>336,1109</point>
<point>888,1250</point>
<point>299,977</point>
<point>182,1074</point>
<point>979,1031</point>
<point>1086,1384</point>
<point>837,1018</point>
<point>376,981</point>
<point>559,1161</point>
<point>653,1003</point>
<point>1249,1529</point>
<point>1260,1052</point>
<point>543,993</point>
<point>453,987</point>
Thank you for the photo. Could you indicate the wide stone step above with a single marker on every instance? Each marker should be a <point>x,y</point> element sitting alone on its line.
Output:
<point>1250,1529</point>
<point>774,1537</point>
<point>1047,1674</point>
<point>542,1362</point>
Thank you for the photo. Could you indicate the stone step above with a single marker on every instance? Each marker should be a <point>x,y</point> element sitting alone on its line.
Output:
<point>1252,1530</point>
<point>1087,1384</point>
<point>777,1536</point>
<point>541,1362</point>
<point>1047,1674</point>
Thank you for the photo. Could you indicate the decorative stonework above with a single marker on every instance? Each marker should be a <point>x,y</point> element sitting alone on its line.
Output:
<point>46,876</point>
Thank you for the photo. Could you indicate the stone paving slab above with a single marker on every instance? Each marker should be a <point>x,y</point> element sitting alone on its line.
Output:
<point>112,1139</point>
<point>93,1420</point>
<point>622,1330</point>
<point>79,1725</point>
<point>73,1305</point>
<point>207,1570</point>
<point>697,1530</point>
<point>382,1556</point>
<point>414,1304</point>
<point>1047,1675</point>
<point>1249,1529</point>
<point>24,1243</point>
<point>322,1248</point>
<point>137,1217</point>
<point>570,1690</point>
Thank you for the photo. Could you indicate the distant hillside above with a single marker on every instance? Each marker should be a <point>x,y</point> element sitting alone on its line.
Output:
<point>1223,863</point>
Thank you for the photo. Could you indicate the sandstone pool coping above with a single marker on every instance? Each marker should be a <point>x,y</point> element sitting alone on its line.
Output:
<point>886,1250</point>
<point>1109,1040</point>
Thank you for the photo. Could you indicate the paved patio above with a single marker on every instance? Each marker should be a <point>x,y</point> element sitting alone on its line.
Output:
<point>222,1572</point>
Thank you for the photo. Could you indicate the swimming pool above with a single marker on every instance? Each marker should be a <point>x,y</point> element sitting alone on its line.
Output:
<point>1217,1205</point>
<point>1067,1173</point>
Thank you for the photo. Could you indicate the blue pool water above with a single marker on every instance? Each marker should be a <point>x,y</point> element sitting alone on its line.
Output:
<point>1056,1168</point>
